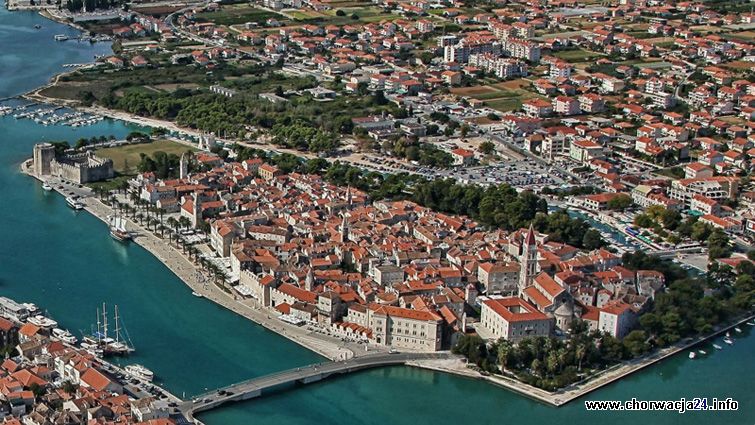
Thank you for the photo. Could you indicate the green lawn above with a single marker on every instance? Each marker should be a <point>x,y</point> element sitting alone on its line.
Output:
<point>129,155</point>
<point>304,16</point>
<point>365,14</point>
<point>495,95</point>
<point>577,55</point>
<point>239,14</point>
<point>505,104</point>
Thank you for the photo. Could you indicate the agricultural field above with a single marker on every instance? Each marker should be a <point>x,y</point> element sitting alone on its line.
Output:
<point>145,80</point>
<point>239,14</point>
<point>305,15</point>
<point>474,91</point>
<point>364,14</point>
<point>739,65</point>
<point>73,90</point>
<point>126,158</point>
<point>504,96</point>
<point>505,104</point>
<point>577,55</point>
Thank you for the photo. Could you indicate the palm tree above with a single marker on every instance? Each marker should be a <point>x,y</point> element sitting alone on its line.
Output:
<point>184,221</point>
<point>579,351</point>
<point>134,197</point>
<point>223,277</point>
<point>172,222</point>
<point>161,212</point>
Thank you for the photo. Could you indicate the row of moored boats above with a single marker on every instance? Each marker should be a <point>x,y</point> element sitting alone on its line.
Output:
<point>728,340</point>
<point>50,116</point>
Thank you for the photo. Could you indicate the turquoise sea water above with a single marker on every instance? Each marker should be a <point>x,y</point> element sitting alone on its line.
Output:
<point>65,262</point>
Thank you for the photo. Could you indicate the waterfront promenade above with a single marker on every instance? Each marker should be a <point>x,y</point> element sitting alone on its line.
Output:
<point>580,389</point>
<point>327,346</point>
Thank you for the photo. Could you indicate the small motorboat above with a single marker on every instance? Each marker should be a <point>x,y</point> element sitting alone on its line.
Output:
<point>738,330</point>
<point>750,323</point>
<point>197,294</point>
<point>701,352</point>
<point>717,347</point>
<point>729,340</point>
<point>46,187</point>
<point>691,354</point>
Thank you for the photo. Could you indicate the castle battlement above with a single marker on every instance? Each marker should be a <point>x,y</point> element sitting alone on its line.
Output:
<point>81,168</point>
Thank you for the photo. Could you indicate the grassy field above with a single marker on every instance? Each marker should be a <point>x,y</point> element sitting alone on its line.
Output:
<point>504,96</point>
<point>126,158</point>
<point>577,55</point>
<point>739,65</point>
<point>239,14</point>
<point>474,91</point>
<point>505,104</point>
<point>305,15</point>
<point>72,90</point>
<point>365,14</point>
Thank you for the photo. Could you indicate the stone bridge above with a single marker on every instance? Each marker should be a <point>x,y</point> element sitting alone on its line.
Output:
<point>256,387</point>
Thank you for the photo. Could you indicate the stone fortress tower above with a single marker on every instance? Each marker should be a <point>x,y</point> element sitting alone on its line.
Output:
<point>44,154</point>
<point>80,168</point>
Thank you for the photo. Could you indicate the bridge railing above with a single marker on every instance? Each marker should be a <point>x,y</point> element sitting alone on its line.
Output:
<point>274,375</point>
<point>327,366</point>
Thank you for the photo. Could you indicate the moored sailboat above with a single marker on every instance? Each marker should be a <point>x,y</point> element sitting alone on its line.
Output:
<point>116,345</point>
<point>118,230</point>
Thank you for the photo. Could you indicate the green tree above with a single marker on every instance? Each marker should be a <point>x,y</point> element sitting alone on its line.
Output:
<point>487,147</point>
<point>718,245</point>
<point>620,202</point>
<point>636,343</point>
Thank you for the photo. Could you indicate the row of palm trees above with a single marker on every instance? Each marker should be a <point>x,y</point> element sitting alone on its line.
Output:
<point>151,217</point>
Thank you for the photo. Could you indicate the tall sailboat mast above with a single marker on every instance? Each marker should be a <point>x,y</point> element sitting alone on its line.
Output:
<point>117,329</point>
<point>104,321</point>
<point>99,335</point>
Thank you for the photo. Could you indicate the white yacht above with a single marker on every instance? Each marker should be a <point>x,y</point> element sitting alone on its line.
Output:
<point>197,294</point>
<point>64,336</point>
<point>717,347</point>
<point>74,203</point>
<point>93,348</point>
<point>691,354</point>
<point>728,340</point>
<point>46,187</point>
<point>43,322</point>
<point>140,372</point>
<point>31,308</point>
